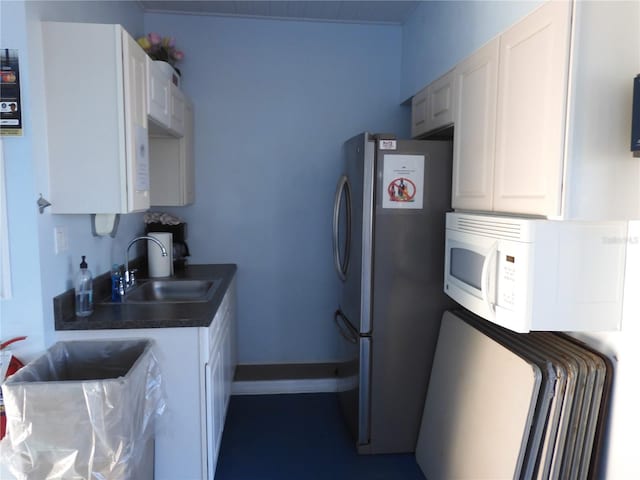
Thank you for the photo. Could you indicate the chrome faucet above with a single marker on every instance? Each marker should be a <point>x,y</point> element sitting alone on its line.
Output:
<point>129,279</point>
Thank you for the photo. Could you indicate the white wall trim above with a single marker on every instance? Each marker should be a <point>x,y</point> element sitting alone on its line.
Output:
<point>272,387</point>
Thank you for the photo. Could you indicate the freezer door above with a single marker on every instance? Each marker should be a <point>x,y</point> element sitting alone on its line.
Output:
<point>360,172</point>
<point>354,380</point>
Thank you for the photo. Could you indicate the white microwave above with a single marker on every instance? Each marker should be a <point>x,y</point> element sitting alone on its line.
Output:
<point>536,274</point>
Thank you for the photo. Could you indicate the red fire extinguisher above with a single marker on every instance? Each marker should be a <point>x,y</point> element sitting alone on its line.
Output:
<point>12,365</point>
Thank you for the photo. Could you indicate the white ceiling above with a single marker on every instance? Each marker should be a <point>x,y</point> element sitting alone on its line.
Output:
<point>354,11</point>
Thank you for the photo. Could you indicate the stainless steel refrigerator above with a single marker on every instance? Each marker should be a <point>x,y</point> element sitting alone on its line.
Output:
<point>388,237</point>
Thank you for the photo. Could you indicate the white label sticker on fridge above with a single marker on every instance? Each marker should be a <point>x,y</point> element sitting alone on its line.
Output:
<point>387,144</point>
<point>403,181</point>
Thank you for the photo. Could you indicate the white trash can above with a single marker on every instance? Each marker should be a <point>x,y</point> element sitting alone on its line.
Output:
<point>84,410</point>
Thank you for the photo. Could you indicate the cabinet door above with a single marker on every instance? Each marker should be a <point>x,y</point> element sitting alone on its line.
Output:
<point>158,95</point>
<point>177,103</point>
<point>476,87</point>
<point>419,113</point>
<point>172,166</point>
<point>532,79</point>
<point>215,408</point>
<point>440,102</point>
<point>96,118</point>
<point>135,113</point>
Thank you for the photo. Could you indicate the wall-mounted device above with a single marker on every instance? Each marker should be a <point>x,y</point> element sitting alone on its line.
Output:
<point>529,274</point>
<point>635,118</point>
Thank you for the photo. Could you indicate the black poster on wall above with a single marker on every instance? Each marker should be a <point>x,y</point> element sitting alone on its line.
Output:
<point>10,104</point>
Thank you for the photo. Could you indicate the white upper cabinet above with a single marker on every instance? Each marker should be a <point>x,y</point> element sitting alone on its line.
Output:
<point>432,107</point>
<point>476,89</point>
<point>157,96</point>
<point>172,165</point>
<point>166,102</point>
<point>177,104</point>
<point>96,100</point>
<point>135,108</point>
<point>509,121</point>
<point>419,113</point>
<point>440,102</point>
<point>547,135</point>
<point>532,96</point>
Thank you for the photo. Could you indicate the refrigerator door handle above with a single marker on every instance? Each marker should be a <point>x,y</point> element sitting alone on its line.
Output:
<point>344,327</point>
<point>343,192</point>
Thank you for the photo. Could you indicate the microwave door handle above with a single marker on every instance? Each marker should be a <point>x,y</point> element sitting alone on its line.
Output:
<point>484,277</point>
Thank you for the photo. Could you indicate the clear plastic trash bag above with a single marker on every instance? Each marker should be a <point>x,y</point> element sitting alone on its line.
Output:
<point>84,410</point>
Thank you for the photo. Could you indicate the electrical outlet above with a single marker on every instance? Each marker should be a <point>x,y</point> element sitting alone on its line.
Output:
<point>60,240</point>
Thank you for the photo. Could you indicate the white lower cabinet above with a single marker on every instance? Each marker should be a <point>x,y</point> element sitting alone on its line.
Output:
<point>218,342</point>
<point>197,365</point>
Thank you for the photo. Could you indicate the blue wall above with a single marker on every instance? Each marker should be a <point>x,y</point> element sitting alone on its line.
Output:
<point>274,101</point>
<point>441,33</point>
<point>38,274</point>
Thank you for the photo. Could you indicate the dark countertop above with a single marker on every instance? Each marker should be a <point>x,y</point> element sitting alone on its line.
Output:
<point>161,315</point>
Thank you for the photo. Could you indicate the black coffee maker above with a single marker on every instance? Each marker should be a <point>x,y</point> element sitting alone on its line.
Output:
<point>180,248</point>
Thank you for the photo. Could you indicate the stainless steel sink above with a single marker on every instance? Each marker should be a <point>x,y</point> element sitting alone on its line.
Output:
<point>172,291</point>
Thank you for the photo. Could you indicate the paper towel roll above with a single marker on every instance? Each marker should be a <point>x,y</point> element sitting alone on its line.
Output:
<point>160,266</point>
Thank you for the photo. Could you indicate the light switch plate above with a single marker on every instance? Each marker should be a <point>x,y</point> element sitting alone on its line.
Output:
<point>60,239</point>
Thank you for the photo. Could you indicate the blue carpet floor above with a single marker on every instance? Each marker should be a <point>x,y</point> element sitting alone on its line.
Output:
<point>299,437</point>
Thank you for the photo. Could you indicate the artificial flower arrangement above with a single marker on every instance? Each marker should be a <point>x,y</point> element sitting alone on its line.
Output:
<point>161,48</point>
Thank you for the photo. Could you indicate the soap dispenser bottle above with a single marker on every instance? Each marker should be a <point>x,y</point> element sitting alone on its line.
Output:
<point>84,290</point>
<point>116,283</point>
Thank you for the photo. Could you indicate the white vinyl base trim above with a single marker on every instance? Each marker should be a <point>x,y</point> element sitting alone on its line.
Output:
<point>301,385</point>
<point>270,387</point>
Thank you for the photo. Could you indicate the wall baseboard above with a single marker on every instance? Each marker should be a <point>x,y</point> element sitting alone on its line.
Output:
<point>273,387</point>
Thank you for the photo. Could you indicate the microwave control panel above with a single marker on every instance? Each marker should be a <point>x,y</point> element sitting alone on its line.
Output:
<point>507,275</point>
